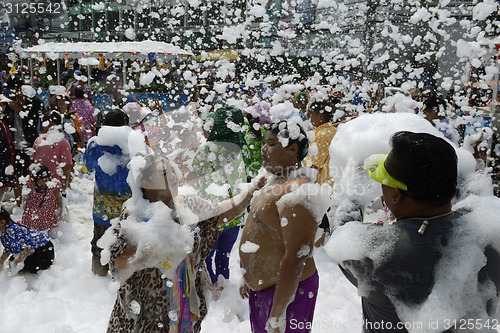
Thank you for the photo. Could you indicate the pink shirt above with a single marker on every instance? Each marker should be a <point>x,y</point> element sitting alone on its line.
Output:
<point>54,155</point>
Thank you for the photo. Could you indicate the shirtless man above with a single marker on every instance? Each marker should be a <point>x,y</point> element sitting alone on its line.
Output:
<point>278,239</point>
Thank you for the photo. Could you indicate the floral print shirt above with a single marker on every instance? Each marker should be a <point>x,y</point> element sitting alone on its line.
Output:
<point>18,238</point>
<point>85,110</point>
<point>320,156</point>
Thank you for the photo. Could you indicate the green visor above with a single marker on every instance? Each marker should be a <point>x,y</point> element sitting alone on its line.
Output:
<point>375,167</point>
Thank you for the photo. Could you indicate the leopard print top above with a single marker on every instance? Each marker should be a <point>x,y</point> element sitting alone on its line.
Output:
<point>142,304</point>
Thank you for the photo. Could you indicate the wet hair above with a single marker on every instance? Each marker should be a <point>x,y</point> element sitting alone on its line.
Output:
<point>321,105</point>
<point>79,92</point>
<point>39,171</point>
<point>14,82</point>
<point>5,215</point>
<point>53,117</point>
<point>116,118</point>
<point>434,101</point>
<point>288,130</point>
<point>426,164</point>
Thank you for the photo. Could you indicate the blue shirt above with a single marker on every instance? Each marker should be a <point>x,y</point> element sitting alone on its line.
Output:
<point>18,238</point>
<point>111,191</point>
<point>116,184</point>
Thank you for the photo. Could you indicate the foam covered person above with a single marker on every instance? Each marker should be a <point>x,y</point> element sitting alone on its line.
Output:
<point>22,116</point>
<point>280,276</point>
<point>162,287</point>
<point>108,154</point>
<point>402,270</point>
<point>28,250</point>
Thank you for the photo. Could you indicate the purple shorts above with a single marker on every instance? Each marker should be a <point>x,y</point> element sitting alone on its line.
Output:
<point>299,313</point>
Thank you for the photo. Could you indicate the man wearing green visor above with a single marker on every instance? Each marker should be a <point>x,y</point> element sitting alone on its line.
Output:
<point>407,265</point>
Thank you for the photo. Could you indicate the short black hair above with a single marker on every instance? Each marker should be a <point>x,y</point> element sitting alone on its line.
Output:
<point>116,118</point>
<point>434,101</point>
<point>5,215</point>
<point>39,171</point>
<point>321,105</point>
<point>427,165</point>
<point>283,129</point>
<point>79,92</point>
<point>53,117</point>
<point>14,82</point>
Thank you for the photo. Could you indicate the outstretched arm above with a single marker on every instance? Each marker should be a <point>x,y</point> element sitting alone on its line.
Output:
<point>231,208</point>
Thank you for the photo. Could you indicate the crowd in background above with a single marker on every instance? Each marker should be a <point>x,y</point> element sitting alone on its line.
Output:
<point>223,127</point>
<point>27,121</point>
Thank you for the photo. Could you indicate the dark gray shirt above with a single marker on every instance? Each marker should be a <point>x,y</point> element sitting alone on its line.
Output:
<point>408,275</point>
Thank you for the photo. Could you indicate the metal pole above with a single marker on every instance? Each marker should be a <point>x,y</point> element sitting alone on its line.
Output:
<point>89,69</point>
<point>124,71</point>
<point>58,71</point>
<point>494,101</point>
<point>31,69</point>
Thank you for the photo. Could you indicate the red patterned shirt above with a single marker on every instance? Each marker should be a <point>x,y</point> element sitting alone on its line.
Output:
<point>40,212</point>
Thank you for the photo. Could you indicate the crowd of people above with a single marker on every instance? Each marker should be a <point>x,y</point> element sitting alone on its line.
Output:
<point>211,172</point>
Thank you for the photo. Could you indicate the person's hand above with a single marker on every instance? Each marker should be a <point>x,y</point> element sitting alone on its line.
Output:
<point>270,329</point>
<point>16,266</point>
<point>260,183</point>
<point>484,135</point>
<point>348,211</point>
<point>156,104</point>
<point>244,290</point>
<point>140,104</point>
<point>276,325</point>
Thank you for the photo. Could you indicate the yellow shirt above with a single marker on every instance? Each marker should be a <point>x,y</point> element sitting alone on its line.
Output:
<point>321,158</point>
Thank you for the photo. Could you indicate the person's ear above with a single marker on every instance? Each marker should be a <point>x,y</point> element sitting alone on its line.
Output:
<point>391,195</point>
<point>397,196</point>
<point>293,149</point>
